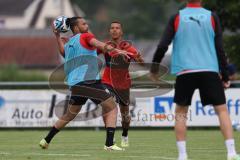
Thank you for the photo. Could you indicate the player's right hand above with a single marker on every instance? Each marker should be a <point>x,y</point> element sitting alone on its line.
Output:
<point>56,32</point>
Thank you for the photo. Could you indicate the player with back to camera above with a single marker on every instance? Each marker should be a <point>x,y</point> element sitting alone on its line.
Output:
<point>198,58</point>
<point>84,84</point>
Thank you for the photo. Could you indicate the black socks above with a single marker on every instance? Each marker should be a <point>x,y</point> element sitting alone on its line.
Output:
<point>110,135</point>
<point>125,132</point>
<point>51,134</point>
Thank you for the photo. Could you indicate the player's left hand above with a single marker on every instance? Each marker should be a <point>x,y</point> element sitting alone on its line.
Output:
<point>226,84</point>
<point>154,77</point>
<point>121,52</point>
<point>138,58</point>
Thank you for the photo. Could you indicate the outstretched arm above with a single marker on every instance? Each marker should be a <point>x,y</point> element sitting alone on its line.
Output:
<point>59,41</point>
<point>101,45</point>
<point>106,48</point>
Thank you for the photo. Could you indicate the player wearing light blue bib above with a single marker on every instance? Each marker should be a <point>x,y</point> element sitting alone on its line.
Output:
<point>82,76</point>
<point>198,59</point>
<point>81,63</point>
<point>192,48</point>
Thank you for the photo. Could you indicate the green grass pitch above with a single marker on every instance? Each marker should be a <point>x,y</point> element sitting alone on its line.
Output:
<point>88,145</point>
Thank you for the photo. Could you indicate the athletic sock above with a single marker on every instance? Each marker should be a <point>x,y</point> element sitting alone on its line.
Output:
<point>125,132</point>
<point>109,136</point>
<point>181,145</point>
<point>51,134</point>
<point>230,145</point>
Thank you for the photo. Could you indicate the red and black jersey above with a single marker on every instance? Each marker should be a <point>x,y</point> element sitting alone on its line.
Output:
<point>116,71</point>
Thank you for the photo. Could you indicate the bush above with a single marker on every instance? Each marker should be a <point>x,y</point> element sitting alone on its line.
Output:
<point>232,48</point>
<point>14,73</point>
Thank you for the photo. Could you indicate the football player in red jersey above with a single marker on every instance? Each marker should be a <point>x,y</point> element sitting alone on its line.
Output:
<point>116,75</point>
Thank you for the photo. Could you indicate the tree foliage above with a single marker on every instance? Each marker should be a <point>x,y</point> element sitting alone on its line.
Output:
<point>228,11</point>
<point>140,18</point>
<point>146,19</point>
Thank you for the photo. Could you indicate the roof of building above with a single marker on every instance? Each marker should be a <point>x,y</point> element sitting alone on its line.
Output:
<point>14,7</point>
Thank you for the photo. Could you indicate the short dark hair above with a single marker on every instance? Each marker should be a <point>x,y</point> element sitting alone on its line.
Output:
<point>71,22</point>
<point>118,22</point>
<point>194,0</point>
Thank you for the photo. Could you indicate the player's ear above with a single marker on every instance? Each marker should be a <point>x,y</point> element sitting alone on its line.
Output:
<point>76,29</point>
<point>121,32</point>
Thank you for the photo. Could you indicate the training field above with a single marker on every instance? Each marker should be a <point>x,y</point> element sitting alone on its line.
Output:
<point>88,145</point>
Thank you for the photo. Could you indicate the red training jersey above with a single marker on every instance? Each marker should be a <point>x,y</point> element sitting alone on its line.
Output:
<point>117,74</point>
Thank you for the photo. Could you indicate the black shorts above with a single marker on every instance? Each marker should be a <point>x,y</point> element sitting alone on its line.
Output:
<point>209,84</point>
<point>83,91</point>
<point>121,95</point>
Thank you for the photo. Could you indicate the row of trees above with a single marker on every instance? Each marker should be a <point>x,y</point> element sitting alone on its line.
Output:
<point>147,19</point>
<point>228,11</point>
<point>141,19</point>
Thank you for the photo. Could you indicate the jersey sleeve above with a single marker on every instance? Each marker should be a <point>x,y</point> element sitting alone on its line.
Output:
<point>222,58</point>
<point>166,40</point>
<point>85,40</point>
<point>132,50</point>
<point>99,51</point>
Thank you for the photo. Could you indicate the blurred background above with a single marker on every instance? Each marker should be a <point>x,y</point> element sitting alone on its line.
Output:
<point>28,51</point>
<point>29,56</point>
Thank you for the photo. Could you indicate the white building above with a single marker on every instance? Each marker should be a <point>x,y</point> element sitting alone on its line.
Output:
<point>37,14</point>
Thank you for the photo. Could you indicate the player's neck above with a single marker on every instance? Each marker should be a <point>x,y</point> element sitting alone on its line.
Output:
<point>75,33</point>
<point>194,4</point>
<point>79,32</point>
<point>195,1</point>
<point>118,40</point>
